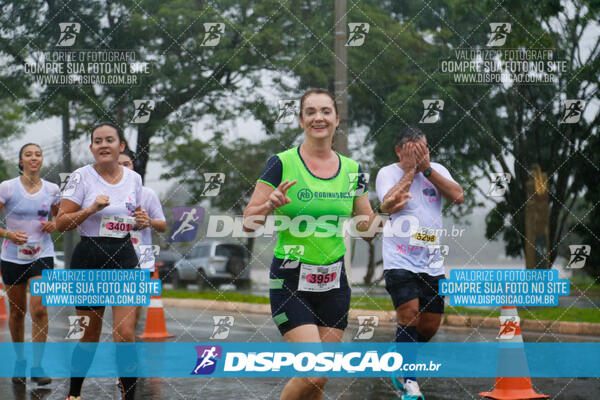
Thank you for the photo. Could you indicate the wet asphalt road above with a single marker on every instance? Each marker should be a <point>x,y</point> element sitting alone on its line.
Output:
<point>195,325</point>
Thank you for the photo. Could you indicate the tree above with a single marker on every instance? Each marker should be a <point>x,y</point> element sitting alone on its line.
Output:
<point>190,81</point>
<point>308,62</point>
<point>587,223</point>
<point>240,160</point>
<point>11,125</point>
<point>508,127</point>
<point>187,80</point>
<point>483,129</point>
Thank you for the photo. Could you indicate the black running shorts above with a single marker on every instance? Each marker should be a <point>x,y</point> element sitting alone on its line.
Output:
<point>103,253</point>
<point>291,308</point>
<point>17,274</point>
<point>404,285</point>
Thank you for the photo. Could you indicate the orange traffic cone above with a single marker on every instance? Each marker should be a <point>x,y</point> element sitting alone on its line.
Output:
<point>3,314</point>
<point>512,388</point>
<point>155,328</point>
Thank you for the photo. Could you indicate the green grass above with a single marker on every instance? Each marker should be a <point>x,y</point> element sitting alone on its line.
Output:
<point>585,283</point>
<point>561,314</point>
<point>586,288</point>
<point>385,304</point>
<point>222,296</point>
<point>536,313</point>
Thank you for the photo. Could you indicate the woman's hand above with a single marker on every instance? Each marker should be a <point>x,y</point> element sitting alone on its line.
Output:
<point>142,219</point>
<point>101,202</point>
<point>278,197</point>
<point>48,226</point>
<point>17,237</point>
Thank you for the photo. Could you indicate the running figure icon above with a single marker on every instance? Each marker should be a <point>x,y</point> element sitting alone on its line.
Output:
<point>579,255</point>
<point>431,111</point>
<point>212,183</point>
<point>147,256</point>
<point>68,34</point>
<point>207,361</point>
<point>287,110</point>
<point>143,110</point>
<point>500,32</point>
<point>573,110</point>
<point>212,34</point>
<point>186,225</point>
<point>358,33</point>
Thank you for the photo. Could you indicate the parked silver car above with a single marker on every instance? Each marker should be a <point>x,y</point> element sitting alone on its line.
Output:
<point>211,263</point>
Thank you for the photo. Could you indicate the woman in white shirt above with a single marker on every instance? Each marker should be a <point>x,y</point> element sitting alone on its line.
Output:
<point>28,202</point>
<point>97,198</point>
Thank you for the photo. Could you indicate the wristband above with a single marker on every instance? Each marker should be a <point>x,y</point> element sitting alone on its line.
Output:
<point>381,213</point>
<point>6,235</point>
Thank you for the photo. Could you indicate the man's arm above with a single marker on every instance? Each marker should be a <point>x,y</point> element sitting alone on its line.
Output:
<point>449,189</point>
<point>403,184</point>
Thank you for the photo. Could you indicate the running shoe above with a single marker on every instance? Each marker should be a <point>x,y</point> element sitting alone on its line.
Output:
<point>40,379</point>
<point>19,373</point>
<point>74,398</point>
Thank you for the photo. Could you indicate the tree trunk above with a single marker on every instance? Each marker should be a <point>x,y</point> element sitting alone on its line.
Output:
<point>340,139</point>
<point>370,264</point>
<point>537,218</point>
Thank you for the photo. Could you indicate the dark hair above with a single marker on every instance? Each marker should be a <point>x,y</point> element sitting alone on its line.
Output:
<point>317,91</point>
<point>409,134</point>
<point>21,154</point>
<point>128,153</point>
<point>107,123</point>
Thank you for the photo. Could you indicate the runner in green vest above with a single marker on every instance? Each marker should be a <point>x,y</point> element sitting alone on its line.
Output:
<point>311,189</point>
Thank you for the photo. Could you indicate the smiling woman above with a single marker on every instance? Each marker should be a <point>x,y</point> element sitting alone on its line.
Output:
<point>103,202</point>
<point>309,291</point>
<point>29,204</point>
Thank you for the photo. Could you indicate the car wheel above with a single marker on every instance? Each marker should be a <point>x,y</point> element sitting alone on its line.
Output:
<point>235,266</point>
<point>176,280</point>
<point>243,284</point>
<point>202,281</point>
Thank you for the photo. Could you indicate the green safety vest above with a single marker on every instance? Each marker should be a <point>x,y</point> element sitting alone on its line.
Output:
<point>321,240</point>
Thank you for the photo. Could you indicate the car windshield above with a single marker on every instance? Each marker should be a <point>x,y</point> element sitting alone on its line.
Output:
<point>200,252</point>
<point>229,250</point>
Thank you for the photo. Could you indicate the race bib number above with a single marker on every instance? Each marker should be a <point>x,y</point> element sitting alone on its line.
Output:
<point>29,251</point>
<point>319,278</point>
<point>423,237</point>
<point>136,239</point>
<point>116,227</point>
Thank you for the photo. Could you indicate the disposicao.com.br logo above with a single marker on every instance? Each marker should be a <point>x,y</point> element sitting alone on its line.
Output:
<point>324,226</point>
<point>294,362</point>
<point>318,362</point>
